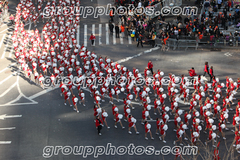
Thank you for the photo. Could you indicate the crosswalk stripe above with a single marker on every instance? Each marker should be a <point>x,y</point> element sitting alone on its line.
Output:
<point>107,34</point>
<point>2,40</point>
<point>78,34</point>
<point>3,55</point>
<point>85,35</point>
<point>129,40</point>
<point>100,34</point>
<point>93,32</point>
<point>114,34</point>
<point>121,38</point>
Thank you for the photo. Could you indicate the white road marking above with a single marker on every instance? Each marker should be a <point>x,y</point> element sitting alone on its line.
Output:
<point>85,35</point>
<point>137,55</point>
<point>18,98</point>
<point>93,32</point>
<point>129,40</point>
<point>10,128</point>
<point>4,69</point>
<point>78,34</point>
<point>5,79</point>
<point>147,51</point>
<point>7,67</point>
<point>3,55</point>
<point>107,34</point>
<point>4,116</point>
<point>5,142</point>
<point>4,93</point>
<point>114,34</point>
<point>121,38</point>
<point>41,36</point>
<point>100,34</point>
<point>2,40</point>
<point>228,54</point>
<point>41,93</point>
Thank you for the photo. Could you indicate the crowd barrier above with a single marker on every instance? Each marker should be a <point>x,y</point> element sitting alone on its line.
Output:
<point>220,43</point>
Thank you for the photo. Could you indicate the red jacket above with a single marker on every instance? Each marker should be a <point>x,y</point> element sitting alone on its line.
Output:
<point>211,72</point>
<point>97,122</point>
<point>150,65</point>
<point>206,68</point>
<point>192,72</point>
<point>92,37</point>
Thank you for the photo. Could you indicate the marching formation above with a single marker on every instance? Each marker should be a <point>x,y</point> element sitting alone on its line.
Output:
<point>58,54</point>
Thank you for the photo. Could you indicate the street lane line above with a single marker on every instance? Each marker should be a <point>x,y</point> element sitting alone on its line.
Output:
<point>4,116</point>
<point>3,55</point>
<point>2,40</point>
<point>85,35</point>
<point>100,34</point>
<point>129,40</point>
<point>137,55</point>
<point>114,34</point>
<point>121,38</point>
<point>4,93</point>
<point>93,32</point>
<point>5,142</point>
<point>42,92</point>
<point>7,67</point>
<point>5,79</point>
<point>78,34</point>
<point>10,128</point>
<point>107,34</point>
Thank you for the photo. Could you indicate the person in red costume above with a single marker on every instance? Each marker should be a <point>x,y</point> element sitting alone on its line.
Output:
<point>92,38</point>
<point>150,66</point>
<point>99,124</point>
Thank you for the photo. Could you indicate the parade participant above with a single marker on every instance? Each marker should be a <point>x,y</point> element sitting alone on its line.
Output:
<point>75,100</point>
<point>99,124</point>
<point>118,118</point>
<point>147,130</point>
<point>104,116</point>
<point>163,129</point>
<point>67,94</point>
<point>132,121</point>
<point>92,38</point>
<point>150,66</point>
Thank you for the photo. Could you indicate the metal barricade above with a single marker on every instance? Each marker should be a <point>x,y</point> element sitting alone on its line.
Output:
<point>174,2</point>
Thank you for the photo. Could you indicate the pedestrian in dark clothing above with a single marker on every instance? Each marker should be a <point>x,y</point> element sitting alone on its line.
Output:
<point>140,40</point>
<point>111,28</point>
<point>117,31</point>
<point>99,124</point>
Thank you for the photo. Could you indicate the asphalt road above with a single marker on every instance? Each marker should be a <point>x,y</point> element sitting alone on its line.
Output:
<point>32,118</point>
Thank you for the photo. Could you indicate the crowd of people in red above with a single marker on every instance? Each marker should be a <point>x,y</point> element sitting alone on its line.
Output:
<point>58,55</point>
